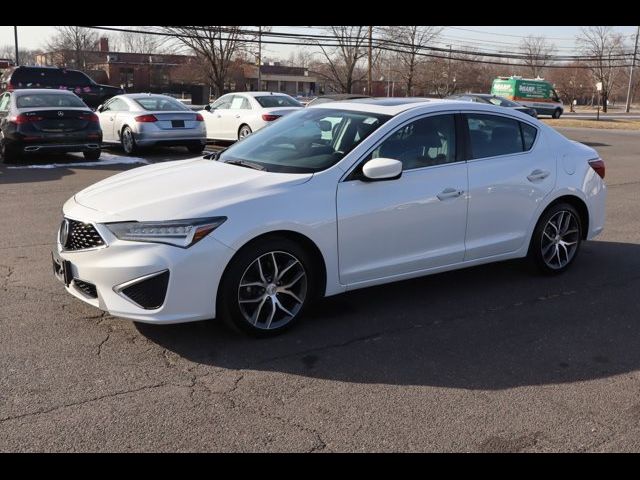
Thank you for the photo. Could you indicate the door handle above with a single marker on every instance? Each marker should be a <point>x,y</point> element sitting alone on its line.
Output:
<point>449,193</point>
<point>111,118</point>
<point>219,116</point>
<point>237,116</point>
<point>538,174</point>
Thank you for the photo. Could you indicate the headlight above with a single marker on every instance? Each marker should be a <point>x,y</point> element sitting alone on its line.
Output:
<point>181,233</point>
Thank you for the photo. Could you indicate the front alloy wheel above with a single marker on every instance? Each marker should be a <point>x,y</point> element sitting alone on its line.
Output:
<point>266,287</point>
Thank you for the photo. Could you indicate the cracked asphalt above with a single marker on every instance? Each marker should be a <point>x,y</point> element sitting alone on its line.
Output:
<point>492,358</point>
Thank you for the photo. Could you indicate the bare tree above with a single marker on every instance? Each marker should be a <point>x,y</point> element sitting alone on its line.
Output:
<point>133,42</point>
<point>27,57</point>
<point>215,45</point>
<point>410,40</point>
<point>605,47</point>
<point>73,45</point>
<point>537,52</point>
<point>343,60</point>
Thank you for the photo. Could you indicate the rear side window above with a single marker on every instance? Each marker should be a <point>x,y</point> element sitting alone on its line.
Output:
<point>36,77</point>
<point>493,135</point>
<point>74,79</point>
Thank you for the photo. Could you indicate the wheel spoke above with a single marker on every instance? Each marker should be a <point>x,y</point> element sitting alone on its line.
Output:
<point>570,232</point>
<point>262,277</point>
<point>273,312</point>
<point>294,281</point>
<point>287,268</point>
<point>291,294</point>
<point>275,266</point>
<point>252,284</point>
<point>256,315</point>
<point>252,300</point>
<point>546,249</point>
<point>281,307</point>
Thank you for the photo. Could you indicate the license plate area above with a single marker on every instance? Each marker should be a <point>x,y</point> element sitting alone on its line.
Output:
<point>177,123</point>
<point>61,269</point>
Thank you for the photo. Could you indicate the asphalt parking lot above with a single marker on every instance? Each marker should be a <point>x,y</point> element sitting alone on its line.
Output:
<point>492,358</point>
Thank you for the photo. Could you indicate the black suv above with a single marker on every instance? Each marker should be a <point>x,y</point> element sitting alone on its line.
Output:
<point>75,81</point>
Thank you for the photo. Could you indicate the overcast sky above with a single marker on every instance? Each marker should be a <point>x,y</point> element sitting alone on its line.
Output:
<point>483,37</point>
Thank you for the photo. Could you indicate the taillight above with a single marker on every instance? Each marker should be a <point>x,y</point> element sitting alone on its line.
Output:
<point>199,118</point>
<point>270,118</point>
<point>10,87</point>
<point>598,165</point>
<point>22,119</point>
<point>146,118</point>
<point>90,117</point>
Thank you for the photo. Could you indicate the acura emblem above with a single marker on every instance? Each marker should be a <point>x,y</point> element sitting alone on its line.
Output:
<point>64,232</point>
<point>61,114</point>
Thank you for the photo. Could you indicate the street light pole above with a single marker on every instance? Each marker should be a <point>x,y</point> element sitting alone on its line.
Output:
<point>259,58</point>
<point>15,34</point>
<point>633,64</point>
<point>370,60</point>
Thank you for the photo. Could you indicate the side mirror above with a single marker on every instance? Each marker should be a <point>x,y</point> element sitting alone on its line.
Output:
<point>382,169</point>
<point>99,109</point>
<point>207,108</point>
<point>325,125</point>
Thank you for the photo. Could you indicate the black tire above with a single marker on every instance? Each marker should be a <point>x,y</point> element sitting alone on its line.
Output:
<point>244,131</point>
<point>556,113</point>
<point>543,236</point>
<point>92,155</point>
<point>196,148</point>
<point>7,154</point>
<point>128,141</point>
<point>243,265</point>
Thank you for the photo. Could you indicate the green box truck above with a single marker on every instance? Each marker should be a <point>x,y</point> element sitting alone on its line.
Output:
<point>535,93</point>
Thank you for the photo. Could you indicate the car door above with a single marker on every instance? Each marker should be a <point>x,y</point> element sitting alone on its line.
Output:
<point>510,173</point>
<point>107,120</point>
<point>238,113</point>
<point>410,224</point>
<point>214,118</point>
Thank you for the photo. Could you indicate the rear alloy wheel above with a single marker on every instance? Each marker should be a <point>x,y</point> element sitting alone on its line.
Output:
<point>266,287</point>
<point>556,239</point>
<point>245,131</point>
<point>556,113</point>
<point>128,141</point>
<point>92,155</point>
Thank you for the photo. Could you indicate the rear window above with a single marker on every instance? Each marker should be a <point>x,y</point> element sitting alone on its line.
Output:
<point>49,77</point>
<point>53,100</point>
<point>159,104</point>
<point>273,101</point>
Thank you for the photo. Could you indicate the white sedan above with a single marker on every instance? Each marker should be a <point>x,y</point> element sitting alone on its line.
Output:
<point>332,198</point>
<point>235,115</point>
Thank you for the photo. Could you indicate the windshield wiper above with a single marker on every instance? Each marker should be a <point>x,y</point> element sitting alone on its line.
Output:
<point>214,155</point>
<point>245,163</point>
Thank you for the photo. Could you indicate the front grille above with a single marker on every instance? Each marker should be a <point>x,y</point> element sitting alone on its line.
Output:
<point>89,289</point>
<point>82,236</point>
<point>149,293</point>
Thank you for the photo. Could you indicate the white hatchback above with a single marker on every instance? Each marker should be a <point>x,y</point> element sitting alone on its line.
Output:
<point>235,115</point>
<point>331,198</point>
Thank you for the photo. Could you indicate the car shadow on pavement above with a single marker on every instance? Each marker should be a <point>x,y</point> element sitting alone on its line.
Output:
<point>490,327</point>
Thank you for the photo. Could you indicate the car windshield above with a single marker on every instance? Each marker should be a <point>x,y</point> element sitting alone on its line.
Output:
<point>309,140</point>
<point>54,100</point>
<point>159,104</point>
<point>503,102</point>
<point>272,101</point>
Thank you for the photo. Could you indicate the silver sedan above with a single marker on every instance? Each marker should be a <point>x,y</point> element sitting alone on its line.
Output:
<point>140,120</point>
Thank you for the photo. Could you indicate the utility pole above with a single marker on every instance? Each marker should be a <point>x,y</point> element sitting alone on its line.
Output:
<point>15,34</point>
<point>449,73</point>
<point>260,58</point>
<point>370,60</point>
<point>633,64</point>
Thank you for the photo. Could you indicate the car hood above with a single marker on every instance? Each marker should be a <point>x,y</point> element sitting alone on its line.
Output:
<point>181,189</point>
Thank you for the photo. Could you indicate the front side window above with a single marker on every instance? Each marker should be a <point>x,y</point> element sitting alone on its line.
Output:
<point>4,102</point>
<point>118,105</point>
<point>425,142</point>
<point>306,141</point>
<point>493,135</point>
<point>223,103</point>
<point>53,100</point>
<point>239,103</point>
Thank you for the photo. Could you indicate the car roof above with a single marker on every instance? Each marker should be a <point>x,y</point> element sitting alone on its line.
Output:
<point>143,95</point>
<point>395,106</point>
<point>260,94</point>
<point>343,96</point>
<point>30,91</point>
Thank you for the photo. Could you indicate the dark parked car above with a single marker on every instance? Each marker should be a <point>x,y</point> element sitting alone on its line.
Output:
<point>338,97</point>
<point>92,93</point>
<point>494,100</point>
<point>42,120</point>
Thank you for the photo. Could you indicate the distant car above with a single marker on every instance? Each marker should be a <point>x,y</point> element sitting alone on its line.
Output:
<point>338,97</point>
<point>91,93</point>
<point>493,100</point>
<point>138,120</point>
<point>235,115</point>
<point>41,120</point>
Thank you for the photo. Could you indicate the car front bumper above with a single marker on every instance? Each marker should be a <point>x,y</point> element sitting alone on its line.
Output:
<point>194,275</point>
